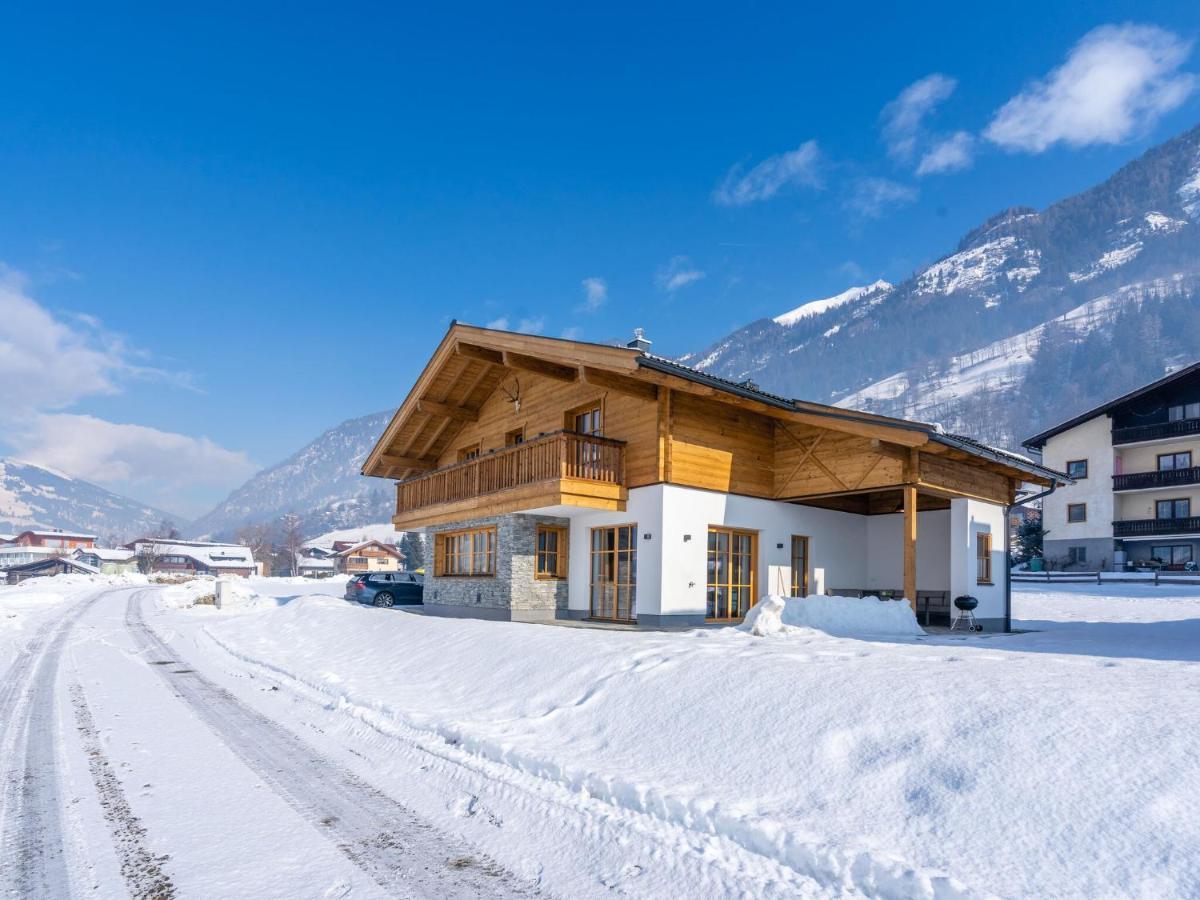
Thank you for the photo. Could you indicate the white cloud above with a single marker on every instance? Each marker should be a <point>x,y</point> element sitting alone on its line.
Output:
<point>158,466</point>
<point>901,119</point>
<point>500,324</point>
<point>532,325</point>
<point>677,273</point>
<point>949,155</point>
<point>769,177</point>
<point>1115,83</point>
<point>595,294</point>
<point>870,198</point>
<point>52,362</point>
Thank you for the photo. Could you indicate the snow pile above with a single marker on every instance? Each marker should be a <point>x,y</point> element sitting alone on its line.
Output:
<point>840,616</point>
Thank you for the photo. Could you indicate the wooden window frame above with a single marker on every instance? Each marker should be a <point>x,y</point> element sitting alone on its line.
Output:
<point>448,553</point>
<point>1076,462</point>
<point>570,415</point>
<point>1071,506</point>
<point>1173,501</point>
<point>752,584</point>
<point>560,553</point>
<point>469,452</point>
<point>631,585</point>
<point>514,437</point>
<point>1174,468</point>
<point>800,540</point>
<point>983,557</point>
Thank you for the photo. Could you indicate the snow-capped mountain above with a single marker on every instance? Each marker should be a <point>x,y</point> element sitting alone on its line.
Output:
<point>1034,316</point>
<point>35,497</point>
<point>320,483</point>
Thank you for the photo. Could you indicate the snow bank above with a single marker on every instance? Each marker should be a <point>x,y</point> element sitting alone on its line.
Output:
<point>841,616</point>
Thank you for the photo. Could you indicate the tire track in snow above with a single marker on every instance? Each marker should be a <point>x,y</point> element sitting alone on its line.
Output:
<point>33,863</point>
<point>401,851</point>
<point>143,872</point>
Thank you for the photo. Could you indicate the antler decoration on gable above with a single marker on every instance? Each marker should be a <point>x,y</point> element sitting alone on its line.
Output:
<point>513,396</point>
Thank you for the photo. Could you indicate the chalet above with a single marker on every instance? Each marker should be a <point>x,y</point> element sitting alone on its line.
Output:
<point>1135,465</point>
<point>562,479</point>
<point>169,556</point>
<point>366,556</point>
<point>315,566</point>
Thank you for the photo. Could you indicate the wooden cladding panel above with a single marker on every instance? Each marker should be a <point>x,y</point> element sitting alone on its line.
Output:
<point>720,448</point>
<point>544,402</point>
<point>811,461</point>
<point>964,478</point>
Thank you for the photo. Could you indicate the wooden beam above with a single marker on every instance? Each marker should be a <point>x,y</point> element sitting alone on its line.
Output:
<point>407,462</point>
<point>483,354</point>
<point>557,371</point>
<point>446,411</point>
<point>665,430</point>
<point>622,384</point>
<point>910,544</point>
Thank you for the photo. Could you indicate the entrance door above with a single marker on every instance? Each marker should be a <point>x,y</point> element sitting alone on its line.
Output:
<point>732,564</point>
<point>614,572</point>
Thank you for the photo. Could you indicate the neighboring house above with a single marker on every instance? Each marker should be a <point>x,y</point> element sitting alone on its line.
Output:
<point>34,546</point>
<point>118,561</point>
<point>367,556</point>
<point>1135,462</point>
<point>54,565</point>
<point>315,566</point>
<point>574,480</point>
<point>171,556</point>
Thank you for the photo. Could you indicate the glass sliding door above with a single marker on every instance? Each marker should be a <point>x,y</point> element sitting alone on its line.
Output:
<point>732,569</point>
<point>614,573</point>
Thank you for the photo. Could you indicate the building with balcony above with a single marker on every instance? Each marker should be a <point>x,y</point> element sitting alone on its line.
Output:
<point>562,479</point>
<point>1135,464</point>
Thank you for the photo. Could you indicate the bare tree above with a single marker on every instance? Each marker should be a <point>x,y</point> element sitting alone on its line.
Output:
<point>258,539</point>
<point>291,539</point>
<point>148,554</point>
<point>168,531</point>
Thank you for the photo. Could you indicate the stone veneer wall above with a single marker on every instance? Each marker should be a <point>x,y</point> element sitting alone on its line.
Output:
<point>512,592</point>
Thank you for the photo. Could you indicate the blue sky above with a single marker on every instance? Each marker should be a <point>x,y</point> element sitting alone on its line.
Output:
<point>225,232</point>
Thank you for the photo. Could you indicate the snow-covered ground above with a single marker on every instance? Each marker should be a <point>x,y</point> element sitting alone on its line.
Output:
<point>583,762</point>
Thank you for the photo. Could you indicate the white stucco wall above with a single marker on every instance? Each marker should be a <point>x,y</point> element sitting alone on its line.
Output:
<point>968,518</point>
<point>845,550</point>
<point>1091,441</point>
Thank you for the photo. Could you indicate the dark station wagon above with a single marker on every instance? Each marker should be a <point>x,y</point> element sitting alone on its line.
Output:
<point>386,588</point>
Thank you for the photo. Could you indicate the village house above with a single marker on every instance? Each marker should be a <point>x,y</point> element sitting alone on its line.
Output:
<point>353,558</point>
<point>1135,466</point>
<point>108,561</point>
<point>562,479</point>
<point>315,566</point>
<point>37,545</point>
<point>173,556</point>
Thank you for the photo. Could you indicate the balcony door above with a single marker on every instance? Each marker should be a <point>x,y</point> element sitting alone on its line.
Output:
<point>732,567</point>
<point>614,573</point>
<point>589,421</point>
<point>1173,509</point>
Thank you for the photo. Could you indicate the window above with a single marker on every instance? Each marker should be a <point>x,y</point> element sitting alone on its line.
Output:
<point>358,560</point>
<point>614,572</point>
<point>587,420</point>
<point>466,453</point>
<point>1173,509</point>
<point>731,572</point>
<point>1077,468</point>
<point>1076,512</point>
<point>1172,554</point>
<point>514,437</point>
<point>471,552</point>
<point>983,558</point>
<point>551,552</point>
<point>1169,462</point>
<point>1184,411</point>
<point>799,566</point>
<point>1076,555</point>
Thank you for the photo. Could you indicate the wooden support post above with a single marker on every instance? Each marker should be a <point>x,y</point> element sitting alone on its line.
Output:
<point>910,544</point>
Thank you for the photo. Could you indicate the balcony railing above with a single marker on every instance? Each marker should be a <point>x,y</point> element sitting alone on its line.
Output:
<point>1135,481</point>
<point>563,454</point>
<point>1136,433</point>
<point>1151,527</point>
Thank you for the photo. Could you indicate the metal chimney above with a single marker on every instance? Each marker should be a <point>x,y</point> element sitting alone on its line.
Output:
<point>640,342</point>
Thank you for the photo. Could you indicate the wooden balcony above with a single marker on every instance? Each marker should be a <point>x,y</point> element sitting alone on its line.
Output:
<point>1141,481</point>
<point>1131,528</point>
<point>1138,433</point>
<point>559,469</point>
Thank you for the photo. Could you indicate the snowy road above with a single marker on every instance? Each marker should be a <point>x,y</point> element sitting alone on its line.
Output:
<point>95,699</point>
